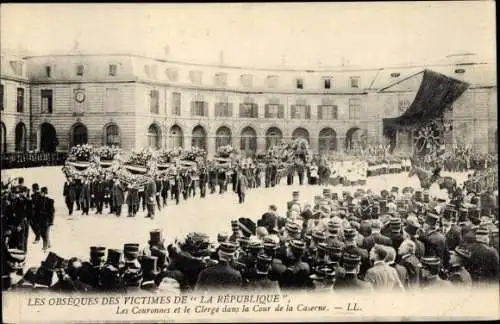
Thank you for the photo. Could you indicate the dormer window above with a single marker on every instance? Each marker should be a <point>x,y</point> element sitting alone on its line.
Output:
<point>299,83</point>
<point>272,81</point>
<point>79,70</point>
<point>48,71</point>
<point>395,74</point>
<point>354,82</point>
<point>112,70</point>
<point>327,83</point>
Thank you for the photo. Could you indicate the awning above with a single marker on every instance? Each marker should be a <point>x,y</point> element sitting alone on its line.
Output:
<point>437,91</point>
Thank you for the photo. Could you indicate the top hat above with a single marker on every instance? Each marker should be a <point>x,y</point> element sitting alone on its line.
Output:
<point>463,252</point>
<point>418,196</point>
<point>463,214</point>
<point>131,251</point>
<point>44,190</point>
<point>449,214</point>
<point>263,263</point>
<point>149,265</point>
<point>114,258</point>
<point>52,261</point>
<point>431,219</point>
<point>97,252</point>
<point>155,237</point>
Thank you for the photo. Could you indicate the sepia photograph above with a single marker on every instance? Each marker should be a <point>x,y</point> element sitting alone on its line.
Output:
<point>249,162</point>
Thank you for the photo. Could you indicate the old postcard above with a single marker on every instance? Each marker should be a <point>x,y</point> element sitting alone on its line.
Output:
<point>276,162</point>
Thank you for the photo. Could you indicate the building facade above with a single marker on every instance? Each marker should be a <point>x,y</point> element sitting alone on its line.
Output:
<point>55,102</point>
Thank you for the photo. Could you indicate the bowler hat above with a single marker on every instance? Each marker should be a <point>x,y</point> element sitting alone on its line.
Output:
<point>463,252</point>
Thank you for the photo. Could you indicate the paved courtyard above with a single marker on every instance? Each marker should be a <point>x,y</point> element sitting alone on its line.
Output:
<point>72,236</point>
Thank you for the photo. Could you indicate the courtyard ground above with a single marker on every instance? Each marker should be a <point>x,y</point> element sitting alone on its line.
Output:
<point>72,236</point>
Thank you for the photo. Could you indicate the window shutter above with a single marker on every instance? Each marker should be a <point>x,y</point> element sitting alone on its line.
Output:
<point>308,112</point>
<point>255,110</point>
<point>320,112</point>
<point>292,112</point>
<point>192,108</point>
<point>205,109</point>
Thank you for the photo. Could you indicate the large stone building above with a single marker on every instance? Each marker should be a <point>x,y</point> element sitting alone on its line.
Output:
<point>53,102</point>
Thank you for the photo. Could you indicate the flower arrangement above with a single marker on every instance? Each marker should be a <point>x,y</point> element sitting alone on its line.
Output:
<point>81,153</point>
<point>193,154</point>
<point>168,156</point>
<point>141,158</point>
<point>226,151</point>
<point>107,152</point>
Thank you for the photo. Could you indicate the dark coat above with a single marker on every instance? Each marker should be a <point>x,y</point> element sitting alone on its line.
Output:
<point>241,184</point>
<point>350,281</point>
<point>375,238</point>
<point>219,277</point>
<point>413,267</point>
<point>85,192</point>
<point>70,191</point>
<point>435,244</point>
<point>189,266</point>
<point>483,265</point>
<point>47,211</point>
<point>118,194</point>
<point>150,192</point>
<point>453,237</point>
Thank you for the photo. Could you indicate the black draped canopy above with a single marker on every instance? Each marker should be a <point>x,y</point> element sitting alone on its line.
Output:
<point>437,91</point>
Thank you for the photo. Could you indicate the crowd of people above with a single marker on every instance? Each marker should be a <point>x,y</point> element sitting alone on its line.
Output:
<point>17,160</point>
<point>398,240</point>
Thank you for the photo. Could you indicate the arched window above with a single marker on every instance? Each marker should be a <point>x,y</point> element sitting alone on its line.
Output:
<point>21,139</point>
<point>222,137</point>
<point>199,138</point>
<point>79,135</point>
<point>273,137</point>
<point>300,133</point>
<point>248,144</point>
<point>355,139</point>
<point>48,138</point>
<point>112,135</point>
<point>154,137</point>
<point>176,137</point>
<point>327,141</point>
<point>3,138</point>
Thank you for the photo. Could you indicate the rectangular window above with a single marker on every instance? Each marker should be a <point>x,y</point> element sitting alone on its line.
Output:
<point>354,109</point>
<point>17,67</point>
<point>154,103</point>
<point>327,83</point>
<point>249,110</point>
<point>199,109</point>
<point>1,96</point>
<point>223,109</point>
<point>47,102</point>
<point>48,71</point>
<point>176,104</point>
<point>20,100</point>
<point>300,112</point>
<point>111,102</point>
<point>300,84</point>
<point>354,82</point>
<point>274,111</point>
<point>328,112</point>
<point>79,70</point>
<point>112,70</point>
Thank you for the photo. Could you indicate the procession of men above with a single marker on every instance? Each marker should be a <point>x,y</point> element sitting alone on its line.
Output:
<point>398,239</point>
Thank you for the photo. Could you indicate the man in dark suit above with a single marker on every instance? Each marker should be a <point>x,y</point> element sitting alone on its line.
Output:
<point>165,187</point>
<point>451,231</point>
<point>47,217</point>
<point>297,274</point>
<point>35,211</point>
<point>241,186</point>
<point>99,192</point>
<point>434,240</point>
<point>85,196</point>
<point>69,193</point>
<point>483,265</point>
<point>459,276</point>
<point>150,196</point>
<point>351,247</point>
<point>159,188</point>
<point>375,237</point>
<point>203,181</point>
<point>221,276</point>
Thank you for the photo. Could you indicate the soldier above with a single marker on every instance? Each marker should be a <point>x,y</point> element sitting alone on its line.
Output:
<point>110,280</point>
<point>90,271</point>
<point>375,237</point>
<point>261,282</point>
<point>451,231</point>
<point>46,217</point>
<point>349,280</point>
<point>352,248</point>
<point>434,240</point>
<point>431,266</point>
<point>396,232</point>
<point>69,278</point>
<point>69,193</point>
<point>297,274</point>
<point>459,276</point>
<point>150,196</point>
<point>483,265</point>
<point>294,201</point>
<point>221,275</point>
<point>35,212</point>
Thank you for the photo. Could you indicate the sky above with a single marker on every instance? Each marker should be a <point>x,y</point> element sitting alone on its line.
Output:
<point>265,35</point>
